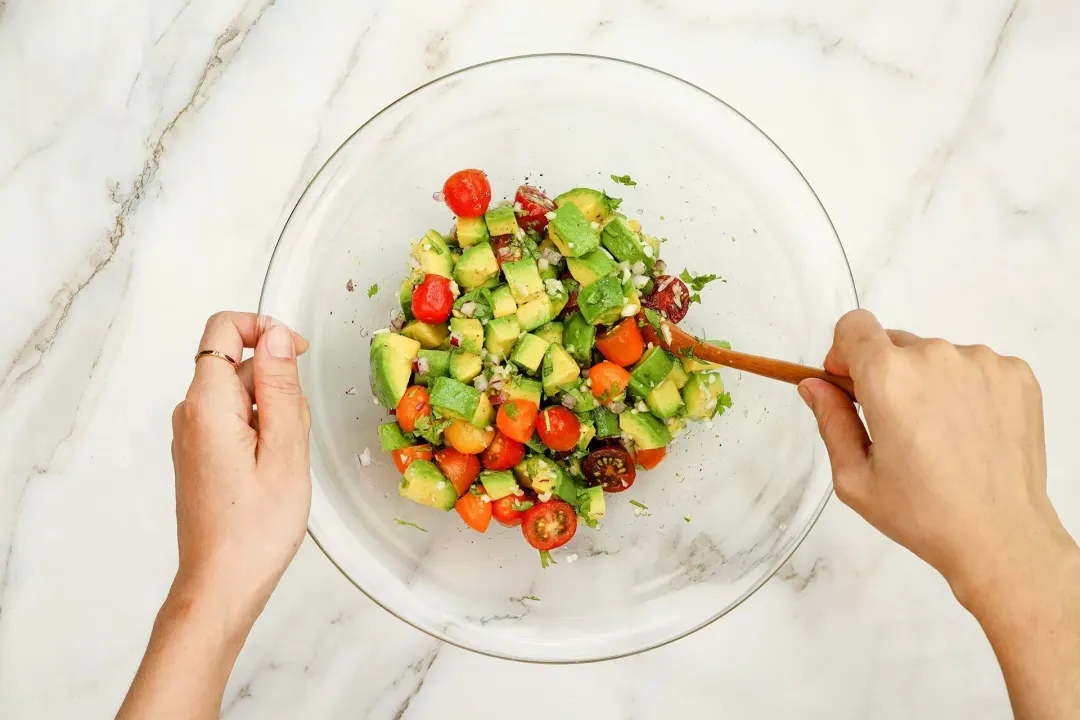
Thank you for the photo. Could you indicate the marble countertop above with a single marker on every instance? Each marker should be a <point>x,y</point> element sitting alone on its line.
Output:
<point>150,152</point>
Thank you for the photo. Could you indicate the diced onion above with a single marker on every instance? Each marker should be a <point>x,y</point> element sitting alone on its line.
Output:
<point>542,264</point>
<point>549,215</point>
<point>568,402</point>
<point>638,268</point>
<point>468,308</point>
<point>422,366</point>
<point>365,457</point>
<point>480,383</point>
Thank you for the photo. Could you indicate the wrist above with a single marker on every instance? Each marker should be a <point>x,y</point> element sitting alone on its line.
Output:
<point>192,608</point>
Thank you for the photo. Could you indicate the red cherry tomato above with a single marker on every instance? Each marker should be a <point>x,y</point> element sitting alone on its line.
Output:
<point>611,467</point>
<point>432,300</point>
<point>558,428</point>
<point>622,344</point>
<point>459,468</point>
<point>671,297</point>
<point>517,419</point>
<point>549,525</point>
<point>413,406</point>
<point>467,193</point>
<point>535,206</point>
<point>649,459</point>
<point>403,457</point>
<point>505,249</point>
<point>503,509</point>
<point>474,511</point>
<point>503,453</point>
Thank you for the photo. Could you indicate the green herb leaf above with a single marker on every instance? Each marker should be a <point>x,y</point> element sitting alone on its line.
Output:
<point>686,518</point>
<point>613,202</point>
<point>406,523</point>
<point>696,282</point>
<point>546,559</point>
<point>521,506</point>
<point>372,290</point>
<point>511,410</point>
<point>531,597</point>
<point>724,400</point>
<point>641,505</point>
<point>653,319</point>
<point>722,343</point>
<point>623,180</point>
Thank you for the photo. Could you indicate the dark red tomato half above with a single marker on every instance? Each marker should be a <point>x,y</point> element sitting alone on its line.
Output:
<point>670,297</point>
<point>432,300</point>
<point>535,206</point>
<point>503,453</point>
<point>549,525</point>
<point>505,249</point>
<point>611,467</point>
<point>467,193</point>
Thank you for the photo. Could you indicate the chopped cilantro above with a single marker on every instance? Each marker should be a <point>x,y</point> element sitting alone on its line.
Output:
<point>476,489</point>
<point>697,282</point>
<point>722,343</point>
<point>546,559</point>
<point>517,506</point>
<point>623,180</point>
<point>406,523</point>
<point>612,202</point>
<point>371,291</point>
<point>686,518</point>
<point>724,400</point>
<point>430,430</point>
<point>531,597</point>
<point>511,410</point>
<point>653,319</point>
<point>641,505</point>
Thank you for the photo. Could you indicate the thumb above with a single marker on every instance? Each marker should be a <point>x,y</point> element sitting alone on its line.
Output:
<point>283,423</point>
<point>845,436</point>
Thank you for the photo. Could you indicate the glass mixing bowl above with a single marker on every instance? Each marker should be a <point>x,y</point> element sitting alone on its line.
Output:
<point>729,504</point>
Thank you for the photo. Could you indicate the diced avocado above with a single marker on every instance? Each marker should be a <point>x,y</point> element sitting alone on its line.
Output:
<point>470,332</point>
<point>476,266</point>
<point>524,280</point>
<point>557,293</point>
<point>471,231</point>
<point>552,332</point>
<point>584,401</point>
<point>436,363</point>
<point>529,352</point>
<point>702,395</point>
<point>501,221</point>
<point>535,313</point>
<point>601,303</point>
<point>404,345</point>
<point>623,243</point>
<point>559,369</point>
<point>499,484</point>
<point>391,359</point>
<point>566,487</point>
<point>503,302</point>
<point>692,364</point>
<point>485,413</point>
<point>571,232</point>
<point>429,336</point>
<point>465,366</point>
<point>433,254</point>
<point>674,425</point>
<point>607,422</point>
<point>651,370</point>
<point>538,473</point>
<point>423,483</point>
<point>579,337</point>
<point>588,432</point>
<point>392,438</point>
<point>501,336</point>
<point>405,298</point>
<point>678,375</point>
<point>454,398</point>
<point>648,432</point>
<point>590,268</point>
<point>664,400</point>
<point>522,388</point>
<point>594,204</point>
<point>592,503</point>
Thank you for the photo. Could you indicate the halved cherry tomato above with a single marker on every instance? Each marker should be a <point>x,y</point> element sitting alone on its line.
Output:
<point>535,206</point>
<point>467,438</point>
<point>459,468</point>
<point>611,467</point>
<point>559,429</point>
<point>609,381</point>
<point>622,344</point>
<point>474,511</point>
<point>413,406</point>
<point>403,457</point>
<point>649,459</point>
<point>504,510</point>
<point>549,525</point>
<point>432,300</point>
<point>671,297</point>
<point>517,419</point>
<point>467,193</point>
<point>503,453</point>
<point>505,249</point>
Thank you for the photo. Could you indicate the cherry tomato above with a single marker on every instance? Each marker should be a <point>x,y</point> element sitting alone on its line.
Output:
<point>535,206</point>
<point>517,419</point>
<point>558,428</point>
<point>649,459</point>
<point>432,300</point>
<point>413,406</point>
<point>609,381</point>
<point>474,511</point>
<point>467,438</point>
<point>549,525</point>
<point>503,509</point>
<point>622,344</point>
<point>503,453</point>
<point>459,468</point>
<point>671,297</point>
<point>505,249</point>
<point>403,457</point>
<point>610,467</point>
<point>467,193</point>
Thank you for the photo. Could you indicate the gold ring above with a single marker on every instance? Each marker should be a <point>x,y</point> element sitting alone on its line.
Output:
<point>215,353</point>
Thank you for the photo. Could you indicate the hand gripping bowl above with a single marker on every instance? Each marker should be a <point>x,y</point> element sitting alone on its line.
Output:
<point>728,505</point>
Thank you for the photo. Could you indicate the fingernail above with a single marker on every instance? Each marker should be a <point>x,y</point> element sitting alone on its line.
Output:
<point>279,342</point>
<point>805,395</point>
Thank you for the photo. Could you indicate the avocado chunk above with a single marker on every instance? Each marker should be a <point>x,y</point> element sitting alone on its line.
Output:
<point>540,475</point>
<point>651,370</point>
<point>454,398</point>
<point>392,438</point>
<point>557,294</point>
<point>476,266</point>
<point>593,505</point>
<point>501,221</point>
<point>552,332</point>
<point>584,401</point>
<point>595,205</point>
<point>523,388</point>
<point>499,484</point>
<point>590,268</point>
<point>502,302</point>
<point>405,298</point>
<point>523,277</point>
<point>571,232</point>
<point>588,432</point>
<point>433,254</point>
<point>559,369</point>
<point>623,243</point>
<point>485,413</point>
<point>601,303</point>
<point>501,336</point>
<point>704,396</point>
<point>429,336</point>
<point>471,231</point>
<point>579,337</point>
<point>535,313</point>
<point>434,363</point>
<point>678,375</point>
<point>648,432</point>
<point>465,366</point>
<point>664,400</point>
<point>424,484</point>
<point>606,422</point>
<point>529,352</point>
<point>470,334</point>
<point>391,359</point>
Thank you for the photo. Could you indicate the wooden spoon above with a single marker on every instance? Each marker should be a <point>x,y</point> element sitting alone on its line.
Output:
<point>682,344</point>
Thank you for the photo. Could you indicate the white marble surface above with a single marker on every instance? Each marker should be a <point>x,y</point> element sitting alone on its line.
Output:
<point>150,151</point>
